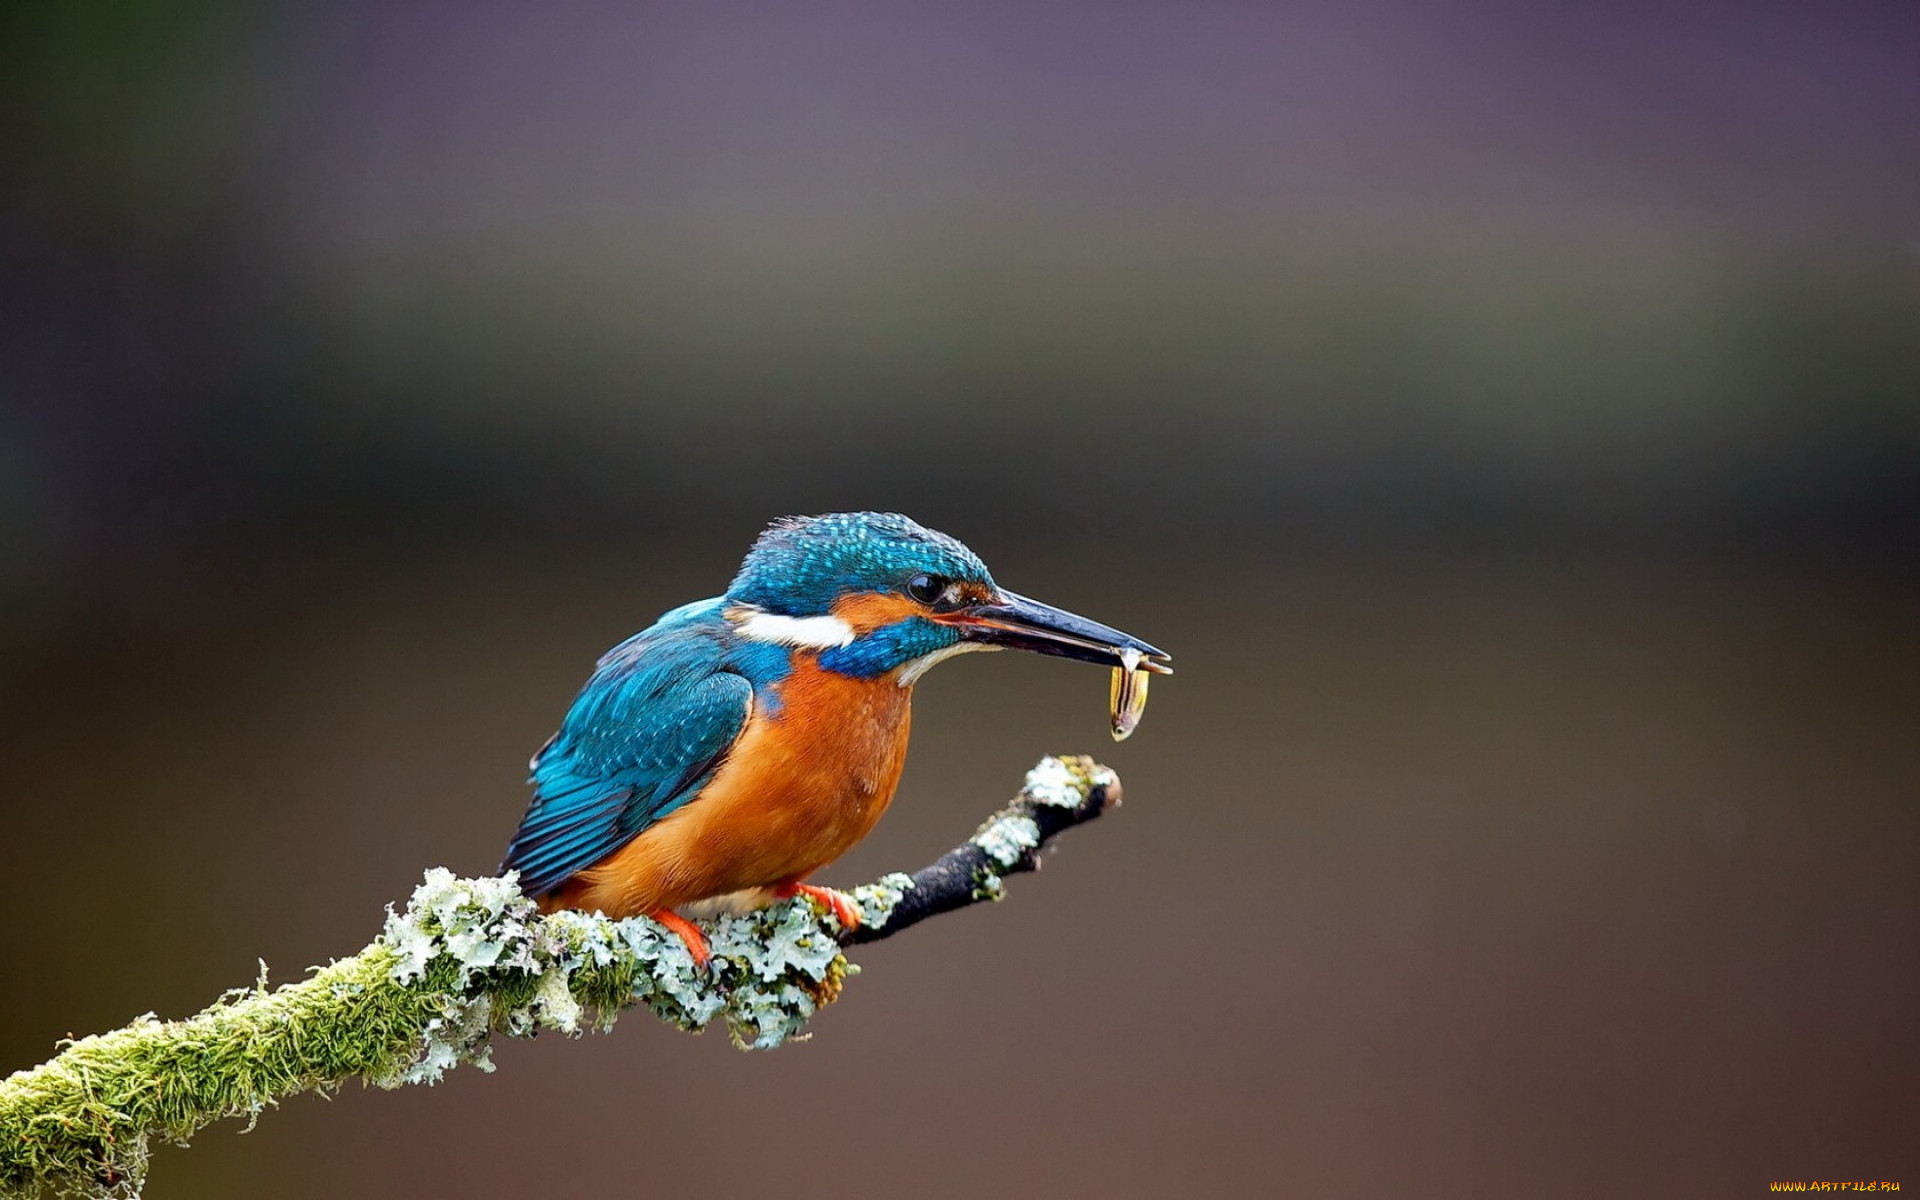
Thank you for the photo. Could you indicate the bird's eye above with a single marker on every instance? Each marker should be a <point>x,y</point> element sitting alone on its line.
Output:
<point>927,589</point>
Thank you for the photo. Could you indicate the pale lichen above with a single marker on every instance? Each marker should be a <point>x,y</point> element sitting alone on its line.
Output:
<point>1008,838</point>
<point>878,899</point>
<point>1057,782</point>
<point>466,960</point>
<point>502,967</point>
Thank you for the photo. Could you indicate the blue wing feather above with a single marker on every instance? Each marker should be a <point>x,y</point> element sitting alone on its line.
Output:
<point>642,738</point>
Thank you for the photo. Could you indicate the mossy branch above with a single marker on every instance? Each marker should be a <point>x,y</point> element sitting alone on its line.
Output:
<point>468,959</point>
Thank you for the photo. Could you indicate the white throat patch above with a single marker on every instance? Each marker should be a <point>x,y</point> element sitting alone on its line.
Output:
<point>809,633</point>
<point>915,668</point>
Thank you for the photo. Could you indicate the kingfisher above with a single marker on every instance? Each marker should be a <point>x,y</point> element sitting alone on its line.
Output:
<point>717,759</point>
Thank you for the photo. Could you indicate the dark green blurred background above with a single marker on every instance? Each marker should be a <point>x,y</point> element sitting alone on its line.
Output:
<point>1509,415</point>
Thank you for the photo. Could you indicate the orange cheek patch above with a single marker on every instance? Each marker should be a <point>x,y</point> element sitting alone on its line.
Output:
<point>872,610</point>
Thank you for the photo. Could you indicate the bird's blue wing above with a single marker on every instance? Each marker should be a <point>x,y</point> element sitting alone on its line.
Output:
<point>644,735</point>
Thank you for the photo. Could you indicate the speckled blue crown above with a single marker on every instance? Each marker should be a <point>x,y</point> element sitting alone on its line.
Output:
<point>801,564</point>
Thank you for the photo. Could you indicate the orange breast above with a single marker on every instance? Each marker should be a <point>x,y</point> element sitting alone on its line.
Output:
<point>799,788</point>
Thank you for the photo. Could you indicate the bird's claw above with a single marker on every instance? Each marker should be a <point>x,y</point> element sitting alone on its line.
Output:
<point>838,903</point>
<point>687,932</point>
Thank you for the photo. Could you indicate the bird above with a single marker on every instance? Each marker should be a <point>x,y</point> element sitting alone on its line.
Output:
<point>717,759</point>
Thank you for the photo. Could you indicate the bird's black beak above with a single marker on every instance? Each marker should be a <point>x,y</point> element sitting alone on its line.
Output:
<point>1018,623</point>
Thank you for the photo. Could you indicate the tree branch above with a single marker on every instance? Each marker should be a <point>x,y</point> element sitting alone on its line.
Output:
<point>1059,794</point>
<point>470,958</point>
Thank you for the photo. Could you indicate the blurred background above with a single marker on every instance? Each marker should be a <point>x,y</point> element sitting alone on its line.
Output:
<point>1508,414</point>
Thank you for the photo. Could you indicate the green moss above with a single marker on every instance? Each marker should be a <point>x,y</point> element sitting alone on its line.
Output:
<point>83,1122</point>
<point>468,959</point>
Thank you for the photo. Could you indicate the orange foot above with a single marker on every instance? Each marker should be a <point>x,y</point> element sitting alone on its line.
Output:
<point>688,932</point>
<point>839,904</point>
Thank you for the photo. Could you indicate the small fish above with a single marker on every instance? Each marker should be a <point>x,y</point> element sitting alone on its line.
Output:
<point>1127,698</point>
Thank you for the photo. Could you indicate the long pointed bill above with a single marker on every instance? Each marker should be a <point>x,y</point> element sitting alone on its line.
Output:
<point>1018,623</point>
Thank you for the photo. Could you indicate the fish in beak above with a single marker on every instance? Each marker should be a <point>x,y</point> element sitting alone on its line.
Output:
<point>1015,622</point>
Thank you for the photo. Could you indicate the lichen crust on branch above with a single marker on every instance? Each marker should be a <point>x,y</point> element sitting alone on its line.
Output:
<point>468,959</point>
<point>1058,794</point>
<point>503,967</point>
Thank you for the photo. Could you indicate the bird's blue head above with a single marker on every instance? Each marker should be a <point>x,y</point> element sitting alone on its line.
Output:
<point>875,593</point>
<point>802,566</point>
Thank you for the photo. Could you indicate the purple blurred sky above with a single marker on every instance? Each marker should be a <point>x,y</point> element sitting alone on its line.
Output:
<point>1764,107</point>
<point>1386,258</point>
